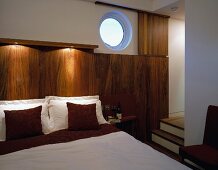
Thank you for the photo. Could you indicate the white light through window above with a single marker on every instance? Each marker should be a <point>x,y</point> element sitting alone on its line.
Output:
<point>111,32</point>
<point>115,30</point>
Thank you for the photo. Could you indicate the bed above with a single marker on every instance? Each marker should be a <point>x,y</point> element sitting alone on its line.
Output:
<point>61,146</point>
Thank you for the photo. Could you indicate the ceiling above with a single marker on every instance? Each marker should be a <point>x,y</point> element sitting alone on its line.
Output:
<point>173,8</point>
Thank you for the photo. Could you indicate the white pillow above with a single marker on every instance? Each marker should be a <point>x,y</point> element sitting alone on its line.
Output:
<point>48,98</point>
<point>22,105</point>
<point>15,102</point>
<point>59,113</point>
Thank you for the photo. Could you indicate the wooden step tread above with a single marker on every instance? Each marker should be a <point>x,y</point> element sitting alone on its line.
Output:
<point>173,122</point>
<point>170,137</point>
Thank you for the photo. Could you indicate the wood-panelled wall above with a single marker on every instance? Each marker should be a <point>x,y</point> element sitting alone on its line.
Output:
<point>27,72</point>
<point>152,34</point>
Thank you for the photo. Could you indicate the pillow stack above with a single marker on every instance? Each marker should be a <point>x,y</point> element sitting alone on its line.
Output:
<point>19,107</point>
<point>26,118</point>
<point>58,110</point>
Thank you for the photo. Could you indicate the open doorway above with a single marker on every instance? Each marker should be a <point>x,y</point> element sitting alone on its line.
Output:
<point>171,133</point>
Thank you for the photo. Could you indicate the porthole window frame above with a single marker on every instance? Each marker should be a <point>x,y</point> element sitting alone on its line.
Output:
<point>126,26</point>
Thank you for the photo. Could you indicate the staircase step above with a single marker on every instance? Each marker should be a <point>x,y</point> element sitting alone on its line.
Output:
<point>177,122</point>
<point>177,131</point>
<point>167,140</point>
<point>168,136</point>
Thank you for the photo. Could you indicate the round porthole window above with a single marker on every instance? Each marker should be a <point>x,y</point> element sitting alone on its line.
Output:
<point>115,30</point>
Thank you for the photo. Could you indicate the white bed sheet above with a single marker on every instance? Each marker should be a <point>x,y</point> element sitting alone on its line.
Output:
<point>115,151</point>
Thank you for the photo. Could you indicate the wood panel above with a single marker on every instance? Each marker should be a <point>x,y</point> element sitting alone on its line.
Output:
<point>157,35</point>
<point>55,77</point>
<point>146,78</point>
<point>66,72</point>
<point>4,71</point>
<point>37,72</point>
<point>18,64</point>
<point>142,33</point>
<point>152,34</point>
<point>158,90</point>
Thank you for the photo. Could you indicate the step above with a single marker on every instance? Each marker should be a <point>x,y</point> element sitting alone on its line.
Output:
<point>167,140</point>
<point>175,120</point>
<point>173,129</point>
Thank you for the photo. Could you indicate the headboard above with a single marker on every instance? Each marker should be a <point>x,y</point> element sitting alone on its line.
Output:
<point>38,71</point>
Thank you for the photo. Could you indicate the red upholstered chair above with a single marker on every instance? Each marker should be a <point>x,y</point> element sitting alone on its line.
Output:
<point>205,155</point>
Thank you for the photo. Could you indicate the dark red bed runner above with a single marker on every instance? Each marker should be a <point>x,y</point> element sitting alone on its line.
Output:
<point>52,138</point>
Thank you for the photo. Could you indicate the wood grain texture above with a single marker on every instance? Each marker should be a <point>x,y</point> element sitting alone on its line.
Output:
<point>55,75</point>
<point>157,35</point>
<point>18,64</point>
<point>37,72</point>
<point>144,77</point>
<point>4,71</point>
<point>158,90</point>
<point>142,33</point>
<point>152,34</point>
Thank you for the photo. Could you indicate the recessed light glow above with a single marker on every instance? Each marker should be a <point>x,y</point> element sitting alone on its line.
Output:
<point>67,49</point>
<point>14,46</point>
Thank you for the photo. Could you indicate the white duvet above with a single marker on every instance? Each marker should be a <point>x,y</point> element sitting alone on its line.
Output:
<point>115,151</point>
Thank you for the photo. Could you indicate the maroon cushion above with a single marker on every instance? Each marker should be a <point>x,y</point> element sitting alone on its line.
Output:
<point>23,123</point>
<point>211,127</point>
<point>82,117</point>
<point>203,155</point>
